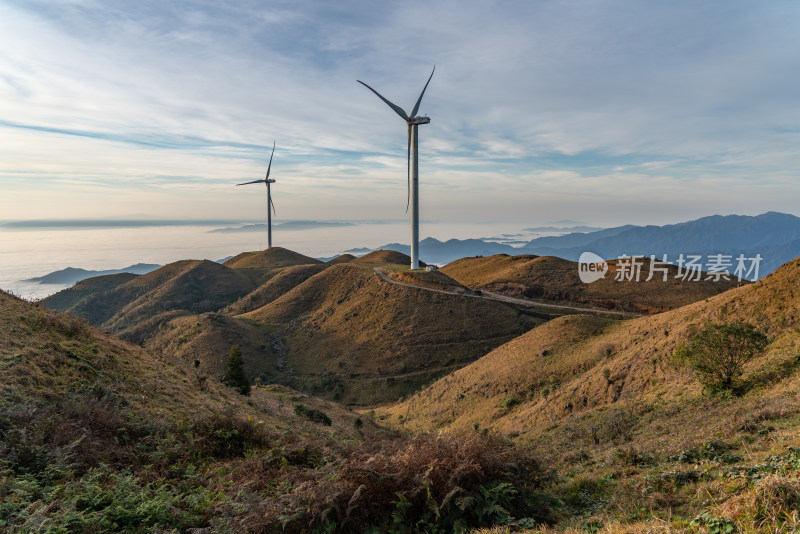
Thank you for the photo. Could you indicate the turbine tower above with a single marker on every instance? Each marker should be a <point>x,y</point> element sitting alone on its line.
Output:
<point>267,181</point>
<point>412,121</point>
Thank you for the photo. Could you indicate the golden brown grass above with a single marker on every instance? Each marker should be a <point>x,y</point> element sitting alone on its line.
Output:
<point>271,258</point>
<point>556,279</point>
<point>576,364</point>
<point>385,257</point>
<point>430,279</point>
<point>605,402</point>
<point>44,354</point>
<point>94,429</point>
<point>281,282</point>
<point>190,286</point>
<point>348,332</point>
<point>342,258</point>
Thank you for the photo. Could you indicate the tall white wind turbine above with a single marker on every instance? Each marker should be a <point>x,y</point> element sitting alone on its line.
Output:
<point>412,121</point>
<point>267,181</point>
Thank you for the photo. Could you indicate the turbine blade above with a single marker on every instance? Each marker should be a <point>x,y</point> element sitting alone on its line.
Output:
<point>416,107</point>
<point>397,109</point>
<point>273,206</point>
<point>253,182</point>
<point>408,167</point>
<point>270,160</point>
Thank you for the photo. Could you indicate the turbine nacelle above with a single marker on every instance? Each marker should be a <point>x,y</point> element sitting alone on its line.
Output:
<point>419,120</point>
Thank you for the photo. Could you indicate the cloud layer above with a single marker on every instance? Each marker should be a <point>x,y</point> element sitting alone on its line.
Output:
<point>604,111</point>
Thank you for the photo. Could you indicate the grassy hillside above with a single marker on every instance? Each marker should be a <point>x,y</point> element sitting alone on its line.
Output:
<point>192,286</point>
<point>629,426</point>
<point>351,336</point>
<point>332,330</point>
<point>207,339</point>
<point>70,298</point>
<point>281,282</point>
<point>342,258</point>
<point>271,258</point>
<point>385,257</point>
<point>555,279</point>
<point>432,279</point>
<point>97,435</point>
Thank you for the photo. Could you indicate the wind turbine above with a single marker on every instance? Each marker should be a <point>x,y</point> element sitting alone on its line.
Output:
<point>412,121</point>
<point>267,181</point>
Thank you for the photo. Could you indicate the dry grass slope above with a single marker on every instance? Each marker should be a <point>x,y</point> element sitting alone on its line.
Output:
<point>70,298</point>
<point>551,278</point>
<point>271,258</point>
<point>134,307</point>
<point>99,435</point>
<point>432,279</point>
<point>586,363</point>
<point>342,258</point>
<point>280,283</point>
<point>385,257</point>
<point>351,336</point>
<point>631,426</point>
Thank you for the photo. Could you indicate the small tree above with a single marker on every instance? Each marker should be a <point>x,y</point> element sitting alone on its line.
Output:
<point>234,372</point>
<point>718,353</point>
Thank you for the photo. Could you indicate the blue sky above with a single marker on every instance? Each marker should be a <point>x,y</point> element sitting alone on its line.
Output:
<point>605,112</point>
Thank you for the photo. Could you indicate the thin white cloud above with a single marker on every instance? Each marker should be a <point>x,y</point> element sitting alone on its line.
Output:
<point>626,99</point>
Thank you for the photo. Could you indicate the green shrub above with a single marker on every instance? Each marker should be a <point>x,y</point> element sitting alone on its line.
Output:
<point>509,402</point>
<point>312,414</point>
<point>234,375</point>
<point>719,352</point>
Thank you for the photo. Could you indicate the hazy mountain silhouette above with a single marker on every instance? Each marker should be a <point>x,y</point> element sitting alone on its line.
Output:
<point>775,236</point>
<point>72,275</point>
<point>772,235</point>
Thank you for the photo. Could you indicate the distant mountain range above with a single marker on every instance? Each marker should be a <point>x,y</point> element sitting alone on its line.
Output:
<point>774,236</point>
<point>72,275</point>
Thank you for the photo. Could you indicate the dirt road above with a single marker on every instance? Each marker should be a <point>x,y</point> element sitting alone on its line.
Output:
<point>508,300</point>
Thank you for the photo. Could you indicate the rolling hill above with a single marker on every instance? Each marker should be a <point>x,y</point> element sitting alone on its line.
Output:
<point>341,258</point>
<point>608,402</point>
<point>98,435</point>
<point>351,336</point>
<point>555,279</point>
<point>337,331</point>
<point>573,352</point>
<point>636,442</point>
<point>124,304</point>
<point>385,257</point>
<point>271,258</point>
<point>281,282</point>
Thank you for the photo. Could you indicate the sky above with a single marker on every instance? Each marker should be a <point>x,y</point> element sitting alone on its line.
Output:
<point>604,112</point>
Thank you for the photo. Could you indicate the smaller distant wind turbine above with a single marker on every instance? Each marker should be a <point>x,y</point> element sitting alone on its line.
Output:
<point>267,181</point>
<point>413,121</point>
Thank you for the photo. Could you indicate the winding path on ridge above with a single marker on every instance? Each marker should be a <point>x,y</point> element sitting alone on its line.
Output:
<point>508,300</point>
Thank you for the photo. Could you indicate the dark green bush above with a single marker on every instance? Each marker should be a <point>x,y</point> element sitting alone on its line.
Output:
<point>312,414</point>
<point>718,353</point>
<point>234,375</point>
